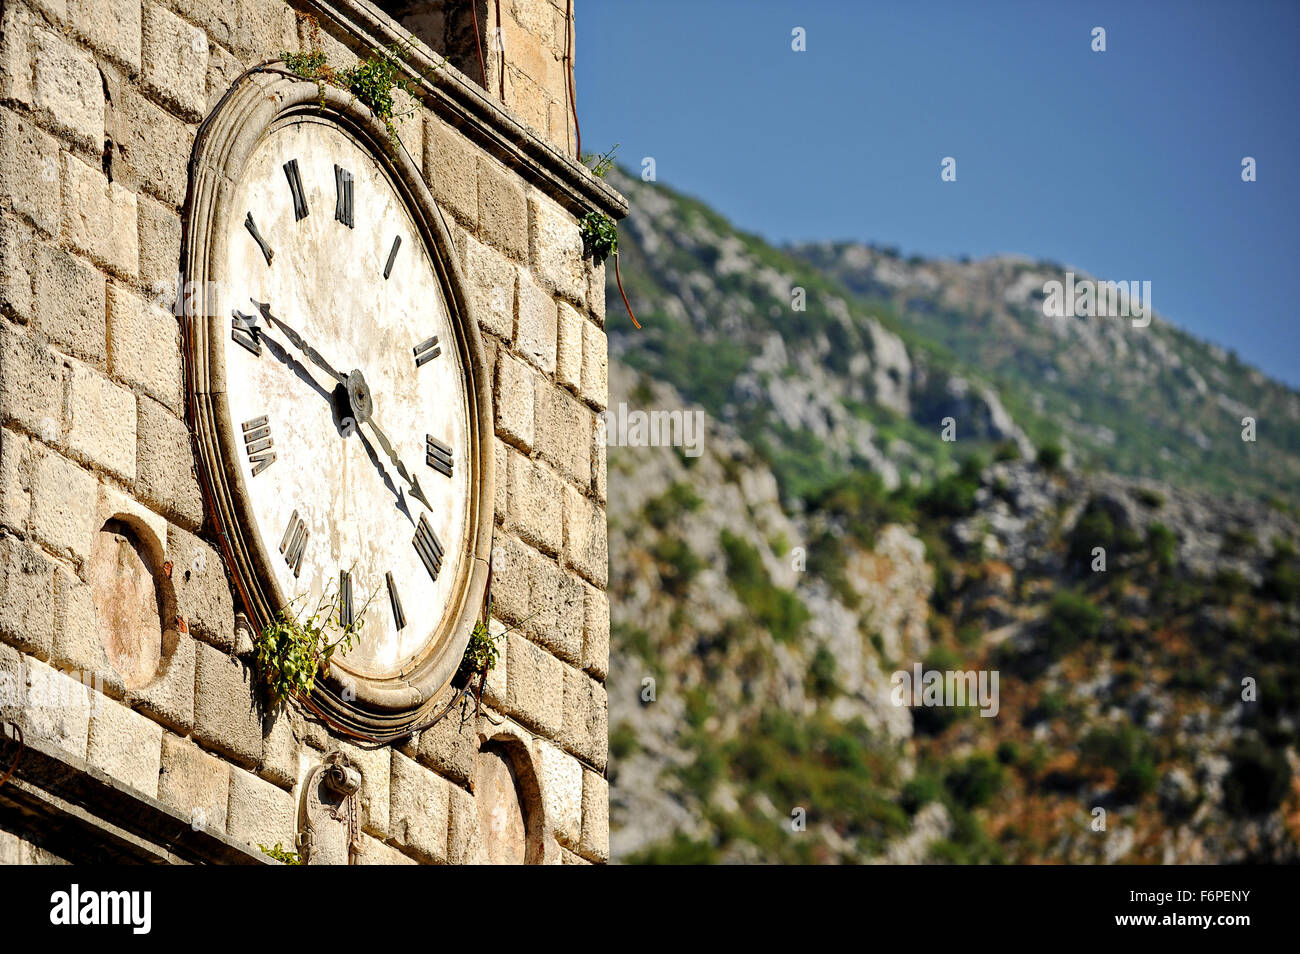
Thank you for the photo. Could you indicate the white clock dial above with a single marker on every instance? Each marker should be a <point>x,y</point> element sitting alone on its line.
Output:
<point>348,392</point>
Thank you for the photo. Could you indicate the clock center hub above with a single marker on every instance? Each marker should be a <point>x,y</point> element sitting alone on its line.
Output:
<point>359,399</point>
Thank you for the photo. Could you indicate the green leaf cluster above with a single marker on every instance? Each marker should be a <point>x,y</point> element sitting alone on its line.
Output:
<point>599,237</point>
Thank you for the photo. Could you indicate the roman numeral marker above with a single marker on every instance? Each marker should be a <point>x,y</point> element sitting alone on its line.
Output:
<point>294,542</point>
<point>399,618</point>
<point>426,351</point>
<point>295,188</point>
<point>257,443</point>
<point>346,617</point>
<point>437,455</point>
<point>243,329</point>
<point>427,546</point>
<point>343,193</point>
<point>388,269</point>
<point>267,251</point>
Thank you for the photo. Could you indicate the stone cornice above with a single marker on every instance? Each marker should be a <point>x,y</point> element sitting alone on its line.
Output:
<point>482,119</point>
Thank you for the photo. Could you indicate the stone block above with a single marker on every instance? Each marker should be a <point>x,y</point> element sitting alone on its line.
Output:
<point>462,830</point>
<point>555,248</point>
<point>31,384</point>
<point>15,484</point>
<point>535,324</point>
<point>534,685</point>
<point>27,610</point>
<point>375,852</point>
<point>533,491</point>
<point>30,183</point>
<point>595,644</point>
<point>58,708</point>
<point>375,765</point>
<point>16,268</point>
<point>490,284</point>
<point>259,813</point>
<point>194,783</point>
<point>125,745</point>
<point>500,486</point>
<point>77,646</point>
<point>420,805</point>
<point>68,92</point>
<point>102,421</point>
<point>585,542</point>
<point>99,218</point>
<point>595,816</point>
<point>284,751</point>
<point>70,304</point>
<point>169,696</point>
<point>160,251</point>
<point>494,689</point>
<point>502,210</point>
<point>556,608</point>
<point>175,67</point>
<point>568,360</point>
<point>165,465</point>
<point>596,293</point>
<point>63,506</point>
<point>451,168</point>
<point>513,401</point>
<point>152,146</point>
<point>600,464</point>
<point>560,775</point>
<point>110,27</point>
<point>586,718</point>
<point>562,433</point>
<point>595,367</point>
<point>226,717</point>
<point>450,745</point>
<point>144,350</point>
<point>202,589</point>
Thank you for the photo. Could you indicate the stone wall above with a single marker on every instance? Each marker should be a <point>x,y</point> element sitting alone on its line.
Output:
<point>99,104</point>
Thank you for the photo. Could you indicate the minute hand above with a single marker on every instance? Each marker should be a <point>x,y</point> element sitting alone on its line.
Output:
<point>416,492</point>
<point>298,341</point>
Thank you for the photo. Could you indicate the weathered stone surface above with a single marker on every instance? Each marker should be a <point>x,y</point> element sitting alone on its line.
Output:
<point>585,542</point>
<point>599,464</point>
<point>562,433</point>
<point>534,686</point>
<point>202,589</point>
<point>555,614</point>
<point>69,307</point>
<point>63,505</point>
<point>102,421</point>
<point>194,783</point>
<point>377,853</point>
<point>419,810</point>
<point>502,210</point>
<point>595,816</point>
<point>77,646</point>
<point>375,765</point>
<point>494,688</point>
<point>451,168</point>
<point>169,696</point>
<point>15,488</point>
<point>99,218</point>
<point>125,745</point>
<point>125,592</point>
<point>58,708</point>
<point>595,367</point>
<point>490,283</point>
<point>144,349</point>
<point>165,465</point>
<point>284,752</point>
<point>596,293</point>
<point>31,384</point>
<point>561,779</point>
<point>514,401</point>
<point>160,251</point>
<point>152,147</point>
<point>568,360</point>
<point>555,248</point>
<point>110,27</point>
<point>463,828</point>
<point>595,645</point>
<point>586,718</point>
<point>533,491</point>
<point>535,323</point>
<point>450,745</point>
<point>68,94</point>
<point>27,610</point>
<point>175,67</point>
<point>500,486</point>
<point>29,172</point>
<point>259,813</point>
<point>16,267</point>
<point>225,712</point>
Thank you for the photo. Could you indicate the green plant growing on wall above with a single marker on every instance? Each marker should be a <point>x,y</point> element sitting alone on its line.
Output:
<point>599,242</point>
<point>282,855</point>
<point>296,647</point>
<point>601,164</point>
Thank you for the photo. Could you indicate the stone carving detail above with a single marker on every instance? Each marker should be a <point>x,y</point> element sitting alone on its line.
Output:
<point>329,831</point>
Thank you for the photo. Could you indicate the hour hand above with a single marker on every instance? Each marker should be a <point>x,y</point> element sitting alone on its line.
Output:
<point>407,476</point>
<point>297,340</point>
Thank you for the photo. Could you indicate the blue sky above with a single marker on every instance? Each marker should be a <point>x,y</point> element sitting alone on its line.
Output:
<point>1126,164</point>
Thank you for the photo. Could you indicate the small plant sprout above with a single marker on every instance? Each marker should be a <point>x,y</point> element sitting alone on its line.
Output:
<point>602,163</point>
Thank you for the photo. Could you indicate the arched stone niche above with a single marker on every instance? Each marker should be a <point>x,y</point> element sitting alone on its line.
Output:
<point>135,605</point>
<point>508,799</point>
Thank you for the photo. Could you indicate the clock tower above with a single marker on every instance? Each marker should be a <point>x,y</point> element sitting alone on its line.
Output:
<point>284,343</point>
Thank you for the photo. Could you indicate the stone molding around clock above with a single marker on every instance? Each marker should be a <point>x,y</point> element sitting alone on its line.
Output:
<point>259,101</point>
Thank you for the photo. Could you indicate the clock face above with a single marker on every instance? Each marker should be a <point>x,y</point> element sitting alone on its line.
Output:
<point>345,392</point>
